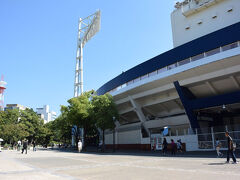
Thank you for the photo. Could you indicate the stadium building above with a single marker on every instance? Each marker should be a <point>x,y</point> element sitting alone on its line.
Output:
<point>193,89</point>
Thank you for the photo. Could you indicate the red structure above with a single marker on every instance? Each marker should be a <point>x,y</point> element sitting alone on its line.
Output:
<point>2,88</point>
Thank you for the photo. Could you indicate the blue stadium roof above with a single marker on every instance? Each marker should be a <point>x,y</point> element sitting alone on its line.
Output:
<point>205,43</point>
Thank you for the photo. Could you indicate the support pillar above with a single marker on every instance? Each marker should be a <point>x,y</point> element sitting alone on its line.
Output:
<point>140,114</point>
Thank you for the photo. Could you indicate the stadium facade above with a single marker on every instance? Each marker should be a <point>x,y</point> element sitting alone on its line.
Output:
<point>192,89</point>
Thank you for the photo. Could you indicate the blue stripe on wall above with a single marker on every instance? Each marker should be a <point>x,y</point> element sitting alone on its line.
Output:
<point>206,43</point>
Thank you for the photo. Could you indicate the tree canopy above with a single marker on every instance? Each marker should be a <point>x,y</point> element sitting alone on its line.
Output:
<point>20,124</point>
<point>87,112</point>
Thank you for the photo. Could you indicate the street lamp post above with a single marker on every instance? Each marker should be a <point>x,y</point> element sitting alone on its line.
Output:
<point>114,120</point>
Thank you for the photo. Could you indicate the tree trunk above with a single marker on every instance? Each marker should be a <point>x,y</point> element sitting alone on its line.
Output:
<point>76,137</point>
<point>84,138</point>
<point>103,145</point>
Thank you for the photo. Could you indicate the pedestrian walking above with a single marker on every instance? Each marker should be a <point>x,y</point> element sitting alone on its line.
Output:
<point>164,148</point>
<point>179,146</point>
<point>34,146</point>
<point>230,148</point>
<point>19,143</point>
<point>218,146</point>
<point>173,147</point>
<point>79,146</point>
<point>25,145</point>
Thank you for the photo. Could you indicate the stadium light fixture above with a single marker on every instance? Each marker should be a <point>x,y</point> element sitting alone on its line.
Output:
<point>87,28</point>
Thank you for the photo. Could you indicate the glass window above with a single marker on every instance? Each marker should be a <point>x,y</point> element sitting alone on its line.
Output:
<point>172,66</point>
<point>124,85</point>
<point>162,70</point>
<point>144,76</point>
<point>119,87</point>
<point>197,57</point>
<point>230,46</point>
<point>114,90</point>
<point>185,61</point>
<point>153,73</point>
<point>136,80</point>
<point>212,52</point>
<point>130,82</point>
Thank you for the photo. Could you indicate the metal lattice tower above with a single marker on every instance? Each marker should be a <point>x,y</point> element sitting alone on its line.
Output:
<point>2,88</point>
<point>87,28</point>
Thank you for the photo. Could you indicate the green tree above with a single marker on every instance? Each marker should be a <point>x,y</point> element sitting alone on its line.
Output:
<point>104,109</point>
<point>62,127</point>
<point>33,123</point>
<point>11,130</point>
<point>79,113</point>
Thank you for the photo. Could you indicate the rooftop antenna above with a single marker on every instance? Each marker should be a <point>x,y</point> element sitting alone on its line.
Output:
<point>87,28</point>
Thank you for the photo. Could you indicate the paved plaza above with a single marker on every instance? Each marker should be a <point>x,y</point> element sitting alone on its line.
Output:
<point>54,165</point>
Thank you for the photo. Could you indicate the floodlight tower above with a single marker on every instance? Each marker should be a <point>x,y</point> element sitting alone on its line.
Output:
<point>2,88</point>
<point>87,28</point>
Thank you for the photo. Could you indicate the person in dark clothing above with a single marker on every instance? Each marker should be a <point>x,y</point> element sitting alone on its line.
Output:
<point>230,148</point>
<point>173,147</point>
<point>164,148</point>
<point>34,146</point>
<point>25,144</point>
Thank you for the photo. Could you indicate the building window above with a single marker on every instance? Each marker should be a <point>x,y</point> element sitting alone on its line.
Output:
<point>172,66</point>
<point>136,80</point>
<point>124,85</point>
<point>212,52</point>
<point>197,57</point>
<point>152,73</point>
<point>144,76</point>
<point>130,82</point>
<point>230,46</point>
<point>185,61</point>
<point>162,70</point>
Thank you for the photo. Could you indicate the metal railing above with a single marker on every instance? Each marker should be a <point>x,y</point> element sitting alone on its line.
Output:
<point>180,63</point>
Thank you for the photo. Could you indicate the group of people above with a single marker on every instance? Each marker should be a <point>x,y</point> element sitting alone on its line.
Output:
<point>231,146</point>
<point>174,146</point>
<point>24,145</point>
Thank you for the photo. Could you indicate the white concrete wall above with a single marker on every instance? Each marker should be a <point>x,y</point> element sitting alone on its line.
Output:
<point>190,140</point>
<point>109,139</point>
<point>169,121</point>
<point>208,25</point>
<point>127,137</point>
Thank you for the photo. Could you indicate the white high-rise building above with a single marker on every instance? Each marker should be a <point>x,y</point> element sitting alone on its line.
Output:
<point>46,114</point>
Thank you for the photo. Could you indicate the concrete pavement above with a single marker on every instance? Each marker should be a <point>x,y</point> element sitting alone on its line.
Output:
<point>51,165</point>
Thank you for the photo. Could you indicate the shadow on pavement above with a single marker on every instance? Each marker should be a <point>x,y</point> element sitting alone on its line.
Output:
<point>216,164</point>
<point>194,154</point>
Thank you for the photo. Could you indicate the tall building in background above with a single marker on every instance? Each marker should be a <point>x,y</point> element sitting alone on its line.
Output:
<point>46,114</point>
<point>2,88</point>
<point>15,106</point>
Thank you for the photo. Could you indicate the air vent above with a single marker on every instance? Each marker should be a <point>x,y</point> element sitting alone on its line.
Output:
<point>187,27</point>
<point>229,9</point>
<point>200,22</point>
<point>214,16</point>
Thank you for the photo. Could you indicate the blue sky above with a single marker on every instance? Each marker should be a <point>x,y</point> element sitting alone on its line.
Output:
<point>38,45</point>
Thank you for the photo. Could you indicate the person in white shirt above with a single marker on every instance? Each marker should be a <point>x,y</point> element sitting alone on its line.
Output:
<point>218,145</point>
<point>19,143</point>
<point>79,146</point>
